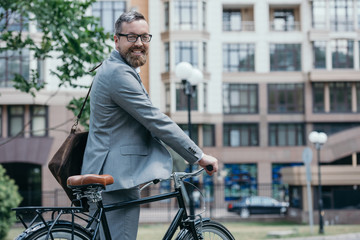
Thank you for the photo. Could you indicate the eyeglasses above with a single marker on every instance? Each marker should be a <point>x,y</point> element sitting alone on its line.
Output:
<point>134,37</point>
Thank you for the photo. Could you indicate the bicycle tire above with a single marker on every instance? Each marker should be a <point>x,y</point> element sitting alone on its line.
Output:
<point>210,230</point>
<point>61,231</point>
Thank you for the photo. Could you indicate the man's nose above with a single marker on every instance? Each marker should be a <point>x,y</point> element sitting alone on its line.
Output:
<point>138,41</point>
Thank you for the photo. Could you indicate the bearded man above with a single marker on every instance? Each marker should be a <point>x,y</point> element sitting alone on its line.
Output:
<point>126,131</point>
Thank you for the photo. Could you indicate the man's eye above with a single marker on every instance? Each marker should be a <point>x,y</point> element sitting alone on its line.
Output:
<point>132,37</point>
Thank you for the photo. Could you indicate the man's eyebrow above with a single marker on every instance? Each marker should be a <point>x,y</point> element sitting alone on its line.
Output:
<point>137,34</point>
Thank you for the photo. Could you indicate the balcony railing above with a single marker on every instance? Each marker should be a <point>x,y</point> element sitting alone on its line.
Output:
<point>244,26</point>
<point>285,26</point>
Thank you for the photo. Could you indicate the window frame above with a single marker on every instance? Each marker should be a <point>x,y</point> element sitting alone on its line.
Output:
<point>183,7</point>
<point>45,116</point>
<point>319,54</point>
<point>252,130</point>
<point>250,89</point>
<point>115,12</point>
<point>283,51</point>
<point>247,49</point>
<point>335,13</point>
<point>297,93</point>
<point>19,58</point>
<point>337,91</point>
<point>337,47</point>
<point>274,132</point>
<point>12,116</point>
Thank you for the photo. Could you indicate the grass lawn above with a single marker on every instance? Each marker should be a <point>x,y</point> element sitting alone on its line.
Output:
<point>243,231</point>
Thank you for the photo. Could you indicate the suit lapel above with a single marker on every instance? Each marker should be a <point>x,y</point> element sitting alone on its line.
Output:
<point>117,55</point>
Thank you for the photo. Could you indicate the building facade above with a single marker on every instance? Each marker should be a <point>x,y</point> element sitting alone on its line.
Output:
<point>273,72</point>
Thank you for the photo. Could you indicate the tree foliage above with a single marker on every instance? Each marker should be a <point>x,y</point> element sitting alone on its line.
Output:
<point>9,198</point>
<point>63,30</point>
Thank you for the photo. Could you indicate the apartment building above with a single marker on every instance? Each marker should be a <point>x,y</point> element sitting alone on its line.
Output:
<point>273,72</point>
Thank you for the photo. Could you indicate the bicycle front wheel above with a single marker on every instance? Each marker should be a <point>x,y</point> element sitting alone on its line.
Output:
<point>59,232</point>
<point>210,231</point>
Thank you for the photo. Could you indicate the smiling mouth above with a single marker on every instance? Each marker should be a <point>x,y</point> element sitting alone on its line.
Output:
<point>137,52</point>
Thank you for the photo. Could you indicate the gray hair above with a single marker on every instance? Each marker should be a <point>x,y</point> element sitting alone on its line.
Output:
<point>128,17</point>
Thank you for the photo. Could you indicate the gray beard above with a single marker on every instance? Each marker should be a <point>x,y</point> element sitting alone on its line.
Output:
<point>136,61</point>
<point>133,61</point>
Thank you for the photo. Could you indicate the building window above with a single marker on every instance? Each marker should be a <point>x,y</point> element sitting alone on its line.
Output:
<point>319,54</point>
<point>182,99</point>
<point>340,97</point>
<point>16,121</point>
<point>167,97</point>
<point>318,97</point>
<point>280,190</point>
<point>341,15</point>
<point>286,98</point>
<point>358,14</point>
<point>232,20</point>
<point>236,134</point>
<point>186,14</point>
<point>39,123</point>
<point>286,134</point>
<point>12,21</point>
<point>12,63</point>
<point>334,127</point>
<point>208,135</point>
<point>204,55</point>
<point>205,101</point>
<point>342,52</point>
<point>284,20</point>
<point>236,19</point>
<point>108,12</point>
<point>166,15</point>
<point>194,131</point>
<point>240,181</point>
<point>295,196</point>
<point>318,8</point>
<point>240,98</point>
<point>167,56</point>
<point>187,52</point>
<point>285,57</point>
<point>357,85</point>
<point>204,15</point>
<point>238,57</point>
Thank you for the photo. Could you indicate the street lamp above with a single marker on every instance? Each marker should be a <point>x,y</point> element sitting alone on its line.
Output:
<point>319,139</point>
<point>190,77</point>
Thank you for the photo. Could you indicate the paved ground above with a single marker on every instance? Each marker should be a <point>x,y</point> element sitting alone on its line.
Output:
<point>349,236</point>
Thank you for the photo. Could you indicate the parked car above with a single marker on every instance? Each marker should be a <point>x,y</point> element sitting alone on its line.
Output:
<point>258,205</point>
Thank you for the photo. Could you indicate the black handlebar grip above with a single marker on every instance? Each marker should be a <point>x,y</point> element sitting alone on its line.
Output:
<point>209,168</point>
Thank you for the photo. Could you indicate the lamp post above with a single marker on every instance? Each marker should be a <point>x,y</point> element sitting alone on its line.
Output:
<point>190,77</point>
<point>319,139</point>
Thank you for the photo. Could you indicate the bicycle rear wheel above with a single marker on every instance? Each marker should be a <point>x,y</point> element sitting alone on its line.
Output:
<point>210,230</point>
<point>61,231</point>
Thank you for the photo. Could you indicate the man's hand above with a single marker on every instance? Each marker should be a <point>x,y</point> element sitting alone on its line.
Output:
<point>209,160</point>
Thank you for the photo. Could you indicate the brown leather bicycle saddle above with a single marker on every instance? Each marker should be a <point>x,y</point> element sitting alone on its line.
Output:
<point>86,179</point>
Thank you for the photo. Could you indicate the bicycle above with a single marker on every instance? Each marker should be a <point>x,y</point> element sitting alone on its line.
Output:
<point>90,186</point>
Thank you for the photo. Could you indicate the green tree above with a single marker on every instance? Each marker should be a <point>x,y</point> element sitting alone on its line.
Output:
<point>64,29</point>
<point>9,198</point>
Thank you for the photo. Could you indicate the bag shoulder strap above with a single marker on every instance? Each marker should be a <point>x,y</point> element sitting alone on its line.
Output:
<point>73,129</point>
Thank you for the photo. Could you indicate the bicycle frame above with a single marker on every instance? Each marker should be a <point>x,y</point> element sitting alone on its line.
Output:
<point>181,218</point>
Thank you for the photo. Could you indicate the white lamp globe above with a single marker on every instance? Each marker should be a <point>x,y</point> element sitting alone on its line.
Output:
<point>322,138</point>
<point>196,77</point>
<point>183,70</point>
<point>314,137</point>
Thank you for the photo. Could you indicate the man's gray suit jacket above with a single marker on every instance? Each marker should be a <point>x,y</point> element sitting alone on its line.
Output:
<point>126,129</point>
